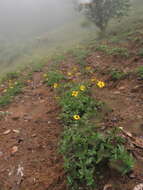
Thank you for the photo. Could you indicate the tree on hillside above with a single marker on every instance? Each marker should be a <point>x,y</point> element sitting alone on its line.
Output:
<point>100,12</point>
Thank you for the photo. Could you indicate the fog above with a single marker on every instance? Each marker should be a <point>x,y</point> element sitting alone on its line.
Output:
<point>23,19</point>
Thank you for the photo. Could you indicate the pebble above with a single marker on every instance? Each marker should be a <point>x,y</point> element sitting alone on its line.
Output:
<point>138,187</point>
<point>14,149</point>
<point>16,131</point>
<point>1,153</point>
<point>132,176</point>
<point>7,132</point>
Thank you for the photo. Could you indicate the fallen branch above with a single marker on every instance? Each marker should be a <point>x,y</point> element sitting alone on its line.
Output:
<point>138,142</point>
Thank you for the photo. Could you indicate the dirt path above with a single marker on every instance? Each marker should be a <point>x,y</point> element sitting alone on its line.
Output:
<point>29,137</point>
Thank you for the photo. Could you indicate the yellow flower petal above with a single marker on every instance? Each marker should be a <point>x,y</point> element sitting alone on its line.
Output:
<point>55,85</point>
<point>75,93</point>
<point>82,88</point>
<point>101,84</point>
<point>76,117</point>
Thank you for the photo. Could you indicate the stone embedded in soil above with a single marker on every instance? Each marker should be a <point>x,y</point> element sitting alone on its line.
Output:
<point>1,153</point>
<point>16,131</point>
<point>132,175</point>
<point>7,132</point>
<point>14,149</point>
<point>138,187</point>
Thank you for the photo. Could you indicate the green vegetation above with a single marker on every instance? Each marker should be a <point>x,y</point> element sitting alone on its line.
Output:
<point>85,149</point>
<point>77,102</point>
<point>140,72</point>
<point>13,89</point>
<point>117,75</point>
<point>100,12</point>
<point>115,51</point>
<point>3,114</point>
<point>53,77</point>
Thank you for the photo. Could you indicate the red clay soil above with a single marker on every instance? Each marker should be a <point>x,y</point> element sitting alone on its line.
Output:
<point>29,158</point>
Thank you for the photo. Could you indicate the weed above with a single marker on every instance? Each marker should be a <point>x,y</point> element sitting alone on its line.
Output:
<point>53,77</point>
<point>118,51</point>
<point>13,90</point>
<point>140,72</point>
<point>85,150</point>
<point>117,75</point>
<point>77,101</point>
<point>11,76</point>
<point>115,51</point>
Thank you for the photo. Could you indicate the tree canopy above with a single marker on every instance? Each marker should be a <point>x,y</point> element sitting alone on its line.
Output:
<point>100,12</point>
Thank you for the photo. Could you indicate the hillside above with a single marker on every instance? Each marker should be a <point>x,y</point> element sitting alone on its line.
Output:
<point>72,117</point>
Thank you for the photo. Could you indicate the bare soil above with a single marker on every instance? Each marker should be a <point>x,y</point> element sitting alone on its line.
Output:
<point>29,152</point>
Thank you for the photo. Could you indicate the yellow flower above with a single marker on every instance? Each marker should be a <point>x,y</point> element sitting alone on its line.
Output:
<point>101,84</point>
<point>45,75</point>
<point>69,74</point>
<point>11,87</point>
<point>76,117</point>
<point>55,85</point>
<point>16,83</point>
<point>75,93</point>
<point>82,88</point>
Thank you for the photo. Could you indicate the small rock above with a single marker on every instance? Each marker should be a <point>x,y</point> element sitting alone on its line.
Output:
<point>14,149</point>
<point>34,135</point>
<point>1,153</point>
<point>7,132</point>
<point>122,88</point>
<point>16,131</point>
<point>114,119</point>
<point>138,187</point>
<point>107,187</point>
<point>139,117</point>
<point>117,92</point>
<point>132,176</point>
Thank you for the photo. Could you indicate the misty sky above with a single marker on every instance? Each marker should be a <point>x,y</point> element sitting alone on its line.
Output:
<point>20,18</point>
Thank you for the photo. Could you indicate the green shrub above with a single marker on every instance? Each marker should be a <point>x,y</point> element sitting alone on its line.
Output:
<point>117,75</point>
<point>12,75</point>
<point>53,77</point>
<point>10,92</point>
<point>140,72</point>
<point>77,102</point>
<point>86,150</point>
<point>115,51</point>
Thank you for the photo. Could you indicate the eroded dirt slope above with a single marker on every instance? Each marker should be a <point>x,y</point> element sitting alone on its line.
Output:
<point>29,140</point>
